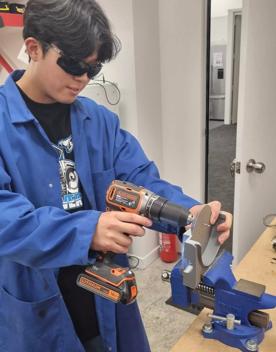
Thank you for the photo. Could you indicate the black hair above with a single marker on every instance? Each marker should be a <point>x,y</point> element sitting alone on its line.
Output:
<point>79,28</point>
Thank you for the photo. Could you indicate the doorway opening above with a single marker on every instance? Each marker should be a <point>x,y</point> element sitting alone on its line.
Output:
<point>222,101</point>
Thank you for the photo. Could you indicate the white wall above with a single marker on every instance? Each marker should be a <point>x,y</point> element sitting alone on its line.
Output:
<point>219,8</point>
<point>219,30</point>
<point>148,80</point>
<point>137,70</point>
<point>10,44</point>
<point>122,70</point>
<point>183,79</point>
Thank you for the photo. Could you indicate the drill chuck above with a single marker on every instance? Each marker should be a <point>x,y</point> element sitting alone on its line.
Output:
<point>174,214</point>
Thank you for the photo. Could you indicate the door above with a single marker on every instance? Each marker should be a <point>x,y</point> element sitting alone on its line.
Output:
<point>236,66</point>
<point>255,193</point>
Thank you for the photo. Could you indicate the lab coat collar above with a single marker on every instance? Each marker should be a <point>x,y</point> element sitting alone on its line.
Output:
<point>19,111</point>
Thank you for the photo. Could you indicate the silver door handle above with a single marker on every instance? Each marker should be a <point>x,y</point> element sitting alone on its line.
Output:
<point>252,165</point>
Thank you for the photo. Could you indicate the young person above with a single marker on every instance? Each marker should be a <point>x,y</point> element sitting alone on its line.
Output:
<point>58,154</point>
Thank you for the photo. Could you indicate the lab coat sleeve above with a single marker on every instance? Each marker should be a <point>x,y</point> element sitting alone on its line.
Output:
<point>132,165</point>
<point>46,237</point>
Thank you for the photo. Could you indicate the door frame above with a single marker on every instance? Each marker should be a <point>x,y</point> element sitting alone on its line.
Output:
<point>208,49</point>
<point>229,64</point>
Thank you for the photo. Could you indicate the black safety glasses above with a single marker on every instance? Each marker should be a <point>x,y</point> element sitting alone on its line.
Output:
<point>76,67</point>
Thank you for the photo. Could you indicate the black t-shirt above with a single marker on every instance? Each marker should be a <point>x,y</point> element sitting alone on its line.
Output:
<point>55,120</point>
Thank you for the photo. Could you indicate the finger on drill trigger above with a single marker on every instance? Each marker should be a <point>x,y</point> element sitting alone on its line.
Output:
<point>123,240</point>
<point>133,229</point>
<point>134,218</point>
<point>119,249</point>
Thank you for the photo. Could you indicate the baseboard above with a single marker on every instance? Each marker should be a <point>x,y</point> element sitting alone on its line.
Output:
<point>145,261</point>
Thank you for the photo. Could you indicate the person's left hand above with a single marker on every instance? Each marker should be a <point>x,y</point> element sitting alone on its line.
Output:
<point>223,228</point>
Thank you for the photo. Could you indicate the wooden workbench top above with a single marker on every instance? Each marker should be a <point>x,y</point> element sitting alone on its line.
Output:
<point>259,266</point>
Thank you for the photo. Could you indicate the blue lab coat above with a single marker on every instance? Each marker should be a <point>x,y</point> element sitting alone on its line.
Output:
<point>37,236</point>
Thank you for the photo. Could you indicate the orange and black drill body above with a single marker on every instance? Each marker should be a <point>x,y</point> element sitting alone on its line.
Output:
<point>108,279</point>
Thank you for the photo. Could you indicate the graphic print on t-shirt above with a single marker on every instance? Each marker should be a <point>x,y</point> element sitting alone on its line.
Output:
<point>71,195</point>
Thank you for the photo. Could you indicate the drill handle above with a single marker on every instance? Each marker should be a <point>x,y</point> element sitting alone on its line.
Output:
<point>106,257</point>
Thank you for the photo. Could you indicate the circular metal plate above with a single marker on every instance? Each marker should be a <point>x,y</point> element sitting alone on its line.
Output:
<point>206,234</point>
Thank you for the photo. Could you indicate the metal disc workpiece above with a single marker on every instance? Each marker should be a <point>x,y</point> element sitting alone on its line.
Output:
<point>201,249</point>
<point>206,234</point>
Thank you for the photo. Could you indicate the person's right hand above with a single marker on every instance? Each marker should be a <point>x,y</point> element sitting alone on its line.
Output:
<point>114,230</point>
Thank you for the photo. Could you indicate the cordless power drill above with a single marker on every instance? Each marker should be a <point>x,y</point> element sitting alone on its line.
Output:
<point>108,279</point>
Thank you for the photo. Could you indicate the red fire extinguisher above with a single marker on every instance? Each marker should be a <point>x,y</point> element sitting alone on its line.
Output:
<point>168,247</point>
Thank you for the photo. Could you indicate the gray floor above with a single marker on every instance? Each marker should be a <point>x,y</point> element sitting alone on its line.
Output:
<point>215,124</point>
<point>222,150</point>
<point>164,324</point>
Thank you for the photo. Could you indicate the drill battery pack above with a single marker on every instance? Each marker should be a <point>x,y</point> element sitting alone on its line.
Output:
<point>110,281</point>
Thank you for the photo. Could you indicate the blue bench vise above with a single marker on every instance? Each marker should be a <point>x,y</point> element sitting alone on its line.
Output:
<point>203,277</point>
